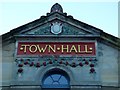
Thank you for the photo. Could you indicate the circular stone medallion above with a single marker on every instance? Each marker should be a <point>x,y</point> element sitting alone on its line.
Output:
<point>56,28</point>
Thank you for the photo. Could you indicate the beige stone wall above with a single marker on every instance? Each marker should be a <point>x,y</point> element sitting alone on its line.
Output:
<point>7,63</point>
<point>108,62</point>
<point>107,67</point>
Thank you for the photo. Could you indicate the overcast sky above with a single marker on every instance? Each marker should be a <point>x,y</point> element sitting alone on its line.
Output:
<point>103,15</point>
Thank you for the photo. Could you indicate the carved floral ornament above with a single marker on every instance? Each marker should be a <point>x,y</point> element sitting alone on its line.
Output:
<point>89,62</point>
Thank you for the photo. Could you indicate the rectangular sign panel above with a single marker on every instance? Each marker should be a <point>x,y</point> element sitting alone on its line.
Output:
<point>56,48</point>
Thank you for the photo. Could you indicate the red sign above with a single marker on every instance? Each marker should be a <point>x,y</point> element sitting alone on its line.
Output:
<point>56,48</point>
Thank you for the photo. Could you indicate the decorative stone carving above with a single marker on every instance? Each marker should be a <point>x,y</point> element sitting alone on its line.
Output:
<point>56,28</point>
<point>56,8</point>
<point>90,63</point>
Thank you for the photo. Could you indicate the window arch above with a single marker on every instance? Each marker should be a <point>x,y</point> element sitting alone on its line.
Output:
<point>56,78</point>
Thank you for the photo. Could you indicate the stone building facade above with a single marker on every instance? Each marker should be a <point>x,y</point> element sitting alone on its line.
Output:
<point>58,51</point>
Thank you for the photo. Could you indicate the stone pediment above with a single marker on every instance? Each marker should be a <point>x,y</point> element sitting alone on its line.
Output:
<point>58,28</point>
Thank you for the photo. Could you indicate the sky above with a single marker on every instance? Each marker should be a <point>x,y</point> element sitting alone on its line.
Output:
<point>100,14</point>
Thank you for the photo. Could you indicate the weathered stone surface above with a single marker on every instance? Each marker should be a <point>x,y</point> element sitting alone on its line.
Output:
<point>109,65</point>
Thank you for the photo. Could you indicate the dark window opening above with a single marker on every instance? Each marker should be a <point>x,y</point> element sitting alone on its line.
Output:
<point>56,79</point>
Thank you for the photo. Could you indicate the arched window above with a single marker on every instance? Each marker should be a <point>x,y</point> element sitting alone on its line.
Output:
<point>56,78</point>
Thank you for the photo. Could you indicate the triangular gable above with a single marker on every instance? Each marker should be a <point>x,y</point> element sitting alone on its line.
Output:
<point>52,27</point>
<point>57,23</point>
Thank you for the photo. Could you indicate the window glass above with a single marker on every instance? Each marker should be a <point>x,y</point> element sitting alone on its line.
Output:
<point>48,80</point>
<point>55,80</point>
